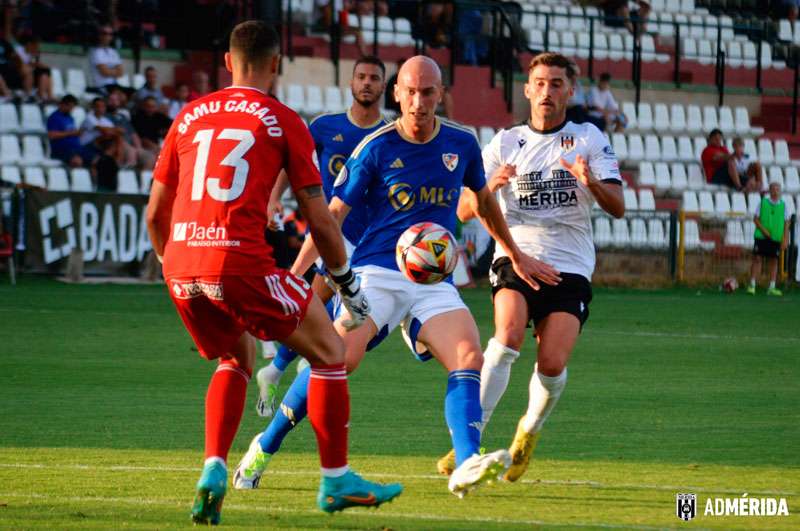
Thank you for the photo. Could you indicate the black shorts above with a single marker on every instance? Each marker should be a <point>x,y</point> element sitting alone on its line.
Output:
<point>572,295</point>
<point>767,247</point>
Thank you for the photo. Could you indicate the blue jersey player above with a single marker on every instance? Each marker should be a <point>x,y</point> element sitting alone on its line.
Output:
<point>335,137</point>
<point>408,172</point>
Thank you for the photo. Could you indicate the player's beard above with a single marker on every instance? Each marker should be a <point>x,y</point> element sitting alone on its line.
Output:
<point>366,102</point>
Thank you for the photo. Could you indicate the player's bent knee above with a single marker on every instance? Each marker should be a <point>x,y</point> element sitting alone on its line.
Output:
<point>511,336</point>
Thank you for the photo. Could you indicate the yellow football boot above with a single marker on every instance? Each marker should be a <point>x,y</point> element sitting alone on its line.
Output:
<point>521,450</point>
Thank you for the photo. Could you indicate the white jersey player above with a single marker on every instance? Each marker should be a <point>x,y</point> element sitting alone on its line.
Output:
<point>548,173</point>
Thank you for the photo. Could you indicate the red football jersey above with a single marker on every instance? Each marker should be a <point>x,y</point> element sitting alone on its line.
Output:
<point>223,154</point>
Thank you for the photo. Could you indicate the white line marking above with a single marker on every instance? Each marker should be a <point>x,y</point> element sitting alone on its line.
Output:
<point>432,477</point>
<point>714,337</point>
<point>278,509</point>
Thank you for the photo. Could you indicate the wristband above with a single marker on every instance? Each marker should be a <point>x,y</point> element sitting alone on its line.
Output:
<point>340,271</point>
<point>343,279</point>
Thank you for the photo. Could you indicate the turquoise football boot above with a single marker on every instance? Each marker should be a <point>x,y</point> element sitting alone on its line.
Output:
<point>351,490</point>
<point>211,489</point>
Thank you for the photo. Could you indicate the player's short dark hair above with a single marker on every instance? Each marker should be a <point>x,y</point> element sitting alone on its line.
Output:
<point>714,132</point>
<point>255,40</point>
<point>555,59</point>
<point>69,99</point>
<point>370,60</point>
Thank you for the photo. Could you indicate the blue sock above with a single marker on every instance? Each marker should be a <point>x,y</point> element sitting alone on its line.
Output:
<point>462,410</point>
<point>284,357</point>
<point>292,410</point>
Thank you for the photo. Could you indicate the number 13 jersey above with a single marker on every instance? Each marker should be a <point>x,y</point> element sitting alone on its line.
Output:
<point>222,155</point>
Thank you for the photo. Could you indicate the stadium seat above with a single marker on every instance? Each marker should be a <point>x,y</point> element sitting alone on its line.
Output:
<point>76,82</point>
<point>749,55</point>
<point>791,179</point>
<point>734,235</point>
<point>661,118</point>
<point>127,182</point>
<point>137,81</point>
<point>631,203</point>
<point>314,104</point>
<point>486,134</point>
<point>34,176</point>
<point>753,200</point>
<point>726,120</point>
<point>629,110</point>
<point>776,176</point>
<point>9,149</point>
<point>147,180</point>
<point>620,233</point>
<point>652,148</point>
<point>57,180</point>
<point>782,153</point>
<point>602,232</point>
<point>706,202</point>
<point>646,199</point>
<point>678,180</point>
<point>677,122</point>
<point>700,144</point>
<point>635,148</point>
<point>81,180</point>
<point>568,43</point>
<point>695,178</point>
<point>402,32</point>
<point>647,175</point>
<point>33,152</point>
<point>295,97</point>
<point>710,120</point>
<point>620,145</point>
<point>669,151</point>
<point>367,24</point>
<point>694,119</point>
<point>10,174</point>
<point>685,149</point>
<point>689,203</point>
<point>31,119</point>
<point>691,235</point>
<point>600,46</point>
<point>788,199</point>
<point>663,181</point>
<point>124,81</point>
<point>696,30</point>
<point>706,55</point>
<point>638,233</point>
<point>655,234</point>
<point>57,82</point>
<point>333,99</point>
<point>385,31</point>
<point>749,228</point>
<point>733,50</point>
<point>689,48</point>
<point>583,45</point>
<point>9,120</point>
<point>738,203</point>
<point>765,153</point>
<point>644,116</point>
<point>722,203</point>
<point>742,121</point>
<point>79,115</point>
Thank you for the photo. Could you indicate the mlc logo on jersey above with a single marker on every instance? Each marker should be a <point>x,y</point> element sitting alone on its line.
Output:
<point>450,160</point>
<point>402,196</point>
<point>685,506</point>
<point>335,164</point>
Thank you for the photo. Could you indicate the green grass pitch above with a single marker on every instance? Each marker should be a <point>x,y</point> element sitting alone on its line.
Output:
<point>101,416</point>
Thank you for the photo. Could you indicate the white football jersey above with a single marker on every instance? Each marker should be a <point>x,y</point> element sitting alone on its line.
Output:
<point>547,209</point>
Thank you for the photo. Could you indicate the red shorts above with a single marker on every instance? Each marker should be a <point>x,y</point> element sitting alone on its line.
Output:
<point>217,310</point>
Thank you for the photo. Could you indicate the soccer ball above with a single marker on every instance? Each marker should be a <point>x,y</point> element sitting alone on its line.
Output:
<point>730,285</point>
<point>426,253</point>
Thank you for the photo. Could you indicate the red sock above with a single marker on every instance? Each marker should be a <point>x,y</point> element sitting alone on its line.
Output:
<point>224,406</point>
<point>329,412</point>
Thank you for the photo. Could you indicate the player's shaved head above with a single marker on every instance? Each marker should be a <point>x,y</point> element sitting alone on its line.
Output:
<point>420,71</point>
<point>418,91</point>
<point>254,42</point>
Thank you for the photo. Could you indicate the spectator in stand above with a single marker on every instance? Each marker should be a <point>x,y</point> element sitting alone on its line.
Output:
<point>181,98</point>
<point>772,236</point>
<point>340,11</point>
<point>720,166</point>
<point>63,133</point>
<point>602,104</point>
<point>578,108</point>
<point>200,85</point>
<point>104,166</point>
<point>105,62</point>
<point>151,124</point>
<point>619,15</point>
<point>150,89</point>
<point>135,155</point>
<point>99,134</point>
<point>12,71</point>
<point>788,9</point>
<point>437,23</point>
<point>746,167</point>
<point>36,74</point>
<point>367,7</point>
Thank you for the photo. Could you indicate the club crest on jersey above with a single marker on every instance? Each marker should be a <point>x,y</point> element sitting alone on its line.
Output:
<point>567,142</point>
<point>450,160</point>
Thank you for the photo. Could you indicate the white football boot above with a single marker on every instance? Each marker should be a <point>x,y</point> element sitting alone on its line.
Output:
<point>251,467</point>
<point>267,393</point>
<point>477,470</point>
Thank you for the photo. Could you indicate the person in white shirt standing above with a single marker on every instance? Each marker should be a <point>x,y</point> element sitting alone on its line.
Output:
<point>106,64</point>
<point>547,173</point>
<point>603,105</point>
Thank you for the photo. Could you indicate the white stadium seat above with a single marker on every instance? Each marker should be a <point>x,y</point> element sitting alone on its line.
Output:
<point>776,176</point>
<point>726,120</point>
<point>652,148</point>
<point>694,119</point>
<point>402,32</point>
<point>706,202</point>
<point>602,232</point>
<point>9,120</point>
<point>710,120</point>
<point>147,179</point>
<point>635,148</point>
<point>57,82</point>
<point>127,182</point>
<point>33,152</point>
<point>734,235</point>
<point>9,149</point>
<point>57,180</point>
<point>34,176</point>
<point>629,110</point>
<point>669,151</point>
<point>646,199</point>
<point>76,82</point>
<point>314,104</point>
<point>620,233</point>
<point>677,121</point>
<point>638,233</point>
<point>655,234</point>
<point>486,134</point>
<point>691,236</point>
<point>644,116</point>
<point>782,152</point>
<point>791,179</point>
<point>738,203</point>
<point>753,200</point>
<point>685,149</point>
<point>663,181</point>
<point>295,97</point>
<point>695,177</point>
<point>765,153</point>
<point>661,120</point>
<point>333,99</point>
<point>31,118</point>
<point>10,174</point>
<point>678,182</point>
<point>689,203</point>
<point>647,175</point>
<point>620,145</point>
<point>722,203</point>
<point>81,180</point>
<point>629,196</point>
<point>79,115</point>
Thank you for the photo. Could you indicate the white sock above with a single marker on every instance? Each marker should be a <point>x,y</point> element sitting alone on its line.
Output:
<point>771,284</point>
<point>215,459</point>
<point>495,373</point>
<point>544,393</point>
<point>335,472</point>
<point>271,373</point>
<point>752,282</point>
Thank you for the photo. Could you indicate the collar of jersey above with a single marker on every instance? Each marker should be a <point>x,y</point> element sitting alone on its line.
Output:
<point>437,126</point>
<point>550,131</point>
<point>370,126</point>
<point>264,92</point>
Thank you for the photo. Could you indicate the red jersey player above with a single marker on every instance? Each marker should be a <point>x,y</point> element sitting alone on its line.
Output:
<point>206,217</point>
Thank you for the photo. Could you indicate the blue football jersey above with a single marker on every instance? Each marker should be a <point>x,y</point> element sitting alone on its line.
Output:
<point>400,182</point>
<point>335,137</point>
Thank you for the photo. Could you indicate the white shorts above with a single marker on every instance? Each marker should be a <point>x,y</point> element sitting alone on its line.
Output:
<point>392,297</point>
<point>348,249</point>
